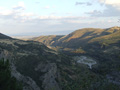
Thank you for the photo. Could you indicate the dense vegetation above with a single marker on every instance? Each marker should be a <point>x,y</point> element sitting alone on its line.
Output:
<point>37,61</point>
<point>101,44</point>
<point>7,82</point>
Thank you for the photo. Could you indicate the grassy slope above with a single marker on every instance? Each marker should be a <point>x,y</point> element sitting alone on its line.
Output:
<point>76,77</point>
<point>90,35</point>
<point>113,37</point>
<point>47,40</point>
<point>83,37</point>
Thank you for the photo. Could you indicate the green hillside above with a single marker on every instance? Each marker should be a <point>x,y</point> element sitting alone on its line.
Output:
<point>90,35</point>
<point>83,37</point>
<point>48,40</point>
<point>101,44</point>
<point>87,59</point>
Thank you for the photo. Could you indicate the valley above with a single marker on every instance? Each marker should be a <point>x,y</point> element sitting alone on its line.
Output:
<point>86,59</point>
<point>60,45</point>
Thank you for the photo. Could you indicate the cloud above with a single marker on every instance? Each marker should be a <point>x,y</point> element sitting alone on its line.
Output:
<point>110,2</point>
<point>18,20</point>
<point>30,23</point>
<point>83,3</point>
<point>48,28</point>
<point>52,17</point>
<point>20,16</point>
<point>89,4</point>
<point>27,14</point>
<point>109,12</point>
<point>113,3</point>
<point>17,13</point>
<point>20,5</point>
<point>7,12</point>
<point>74,21</point>
<point>94,13</point>
<point>112,9</point>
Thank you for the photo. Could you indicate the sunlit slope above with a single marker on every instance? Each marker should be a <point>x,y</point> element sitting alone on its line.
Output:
<point>83,37</point>
<point>48,40</point>
<point>87,36</point>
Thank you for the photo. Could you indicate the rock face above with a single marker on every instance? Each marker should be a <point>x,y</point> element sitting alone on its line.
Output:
<point>31,84</point>
<point>114,77</point>
<point>24,58</point>
<point>5,54</point>
<point>49,77</point>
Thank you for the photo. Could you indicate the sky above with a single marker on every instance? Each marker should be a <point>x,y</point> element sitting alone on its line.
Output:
<point>47,17</point>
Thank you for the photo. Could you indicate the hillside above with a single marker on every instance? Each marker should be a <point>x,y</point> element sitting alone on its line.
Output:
<point>88,40</point>
<point>2,36</point>
<point>83,37</point>
<point>39,68</point>
<point>103,41</point>
<point>32,63</point>
<point>101,44</point>
<point>90,35</point>
<point>48,40</point>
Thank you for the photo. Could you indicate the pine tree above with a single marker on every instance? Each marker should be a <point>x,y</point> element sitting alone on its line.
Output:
<point>7,82</point>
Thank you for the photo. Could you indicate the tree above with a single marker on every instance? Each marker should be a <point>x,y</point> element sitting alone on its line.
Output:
<point>7,82</point>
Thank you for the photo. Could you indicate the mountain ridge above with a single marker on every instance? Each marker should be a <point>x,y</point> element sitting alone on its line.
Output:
<point>2,36</point>
<point>41,68</point>
<point>86,35</point>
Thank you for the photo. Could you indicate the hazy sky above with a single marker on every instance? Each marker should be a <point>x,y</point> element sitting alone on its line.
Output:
<point>38,17</point>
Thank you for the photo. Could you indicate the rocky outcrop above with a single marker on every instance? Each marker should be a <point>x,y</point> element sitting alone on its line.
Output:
<point>30,84</point>
<point>5,54</point>
<point>49,77</point>
<point>114,77</point>
<point>48,80</point>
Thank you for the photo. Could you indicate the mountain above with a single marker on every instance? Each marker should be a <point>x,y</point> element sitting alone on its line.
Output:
<point>86,40</point>
<point>2,36</point>
<point>32,63</point>
<point>83,37</point>
<point>38,67</point>
<point>101,44</point>
<point>48,40</point>
<point>89,40</point>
